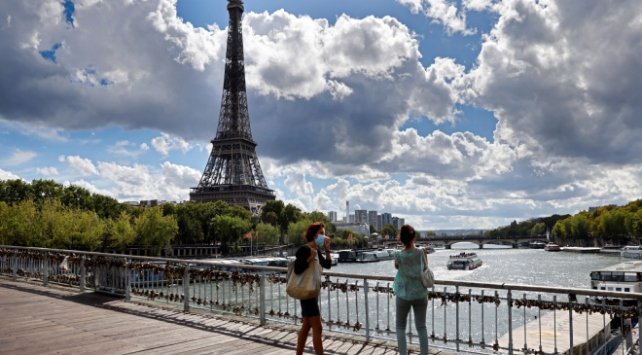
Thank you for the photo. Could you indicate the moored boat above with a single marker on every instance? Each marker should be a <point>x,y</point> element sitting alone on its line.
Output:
<point>463,261</point>
<point>537,245</point>
<point>552,247</point>
<point>367,257</point>
<point>622,277</point>
<point>631,251</point>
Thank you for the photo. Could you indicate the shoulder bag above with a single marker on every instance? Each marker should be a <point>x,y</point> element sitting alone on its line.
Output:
<point>305,285</point>
<point>427,277</point>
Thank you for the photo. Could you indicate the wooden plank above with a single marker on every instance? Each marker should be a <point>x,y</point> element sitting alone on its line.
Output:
<point>43,320</point>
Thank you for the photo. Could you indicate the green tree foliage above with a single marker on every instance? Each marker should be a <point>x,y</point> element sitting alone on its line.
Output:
<point>22,225</point>
<point>228,230</point>
<point>267,233</point>
<point>538,230</point>
<point>155,230</point>
<point>4,215</point>
<point>531,227</point>
<point>296,232</point>
<point>280,215</point>
<point>119,232</point>
<point>389,230</point>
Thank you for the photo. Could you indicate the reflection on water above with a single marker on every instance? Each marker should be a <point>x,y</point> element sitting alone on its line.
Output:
<point>505,265</point>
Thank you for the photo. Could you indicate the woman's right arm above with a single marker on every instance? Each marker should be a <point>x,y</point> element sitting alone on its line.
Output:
<point>301,261</point>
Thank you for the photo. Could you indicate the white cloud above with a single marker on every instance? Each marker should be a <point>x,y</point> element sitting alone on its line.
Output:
<point>128,149</point>
<point>7,175</point>
<point>19,157</point>
<point>166,143</point>
<point>82,166</point>
<point>557,75</point>
<point>47,171</point>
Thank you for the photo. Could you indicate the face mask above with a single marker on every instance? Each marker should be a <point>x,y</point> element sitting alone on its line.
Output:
<point>320,240</point>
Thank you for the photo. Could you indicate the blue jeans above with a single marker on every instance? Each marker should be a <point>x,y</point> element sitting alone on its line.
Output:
<point>419,310</point>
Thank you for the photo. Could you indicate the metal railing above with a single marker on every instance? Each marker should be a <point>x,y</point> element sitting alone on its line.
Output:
<point>464,316</point>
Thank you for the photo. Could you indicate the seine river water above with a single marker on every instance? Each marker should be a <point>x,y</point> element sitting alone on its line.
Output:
<point>502,265</point>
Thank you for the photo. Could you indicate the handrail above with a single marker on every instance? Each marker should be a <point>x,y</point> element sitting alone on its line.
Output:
<point>346,298</point>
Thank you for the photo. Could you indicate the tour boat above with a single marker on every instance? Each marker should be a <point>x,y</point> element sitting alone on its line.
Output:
<point>335,258</point>
<point>464,261</point>
<point>631,251</point>
<point>367,257</point>
<point>622,277</point>
<point>552,247</point>
<point>537,245</point>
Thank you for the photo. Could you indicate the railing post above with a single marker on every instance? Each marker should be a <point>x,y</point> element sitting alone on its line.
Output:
<point>509,303</point>
<point>457,299</point>
<point>83,274</point>
<point>186,288</point>
<point>45,272</point>
<point>128,280</point>
<point>571,297</point>
<point>483,328</point>
<point>262,308</point>
<point>367,309</point>
<point>639,324</point>
<point>14,267</point>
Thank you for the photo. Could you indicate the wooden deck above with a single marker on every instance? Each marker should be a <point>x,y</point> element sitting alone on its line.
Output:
<point>51,320</point>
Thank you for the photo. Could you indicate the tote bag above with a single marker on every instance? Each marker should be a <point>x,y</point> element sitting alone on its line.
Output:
<point>305,285</point>
<point>427,277</point>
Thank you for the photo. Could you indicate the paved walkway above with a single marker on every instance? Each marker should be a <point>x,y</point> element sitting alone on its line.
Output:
<point>51,320</point>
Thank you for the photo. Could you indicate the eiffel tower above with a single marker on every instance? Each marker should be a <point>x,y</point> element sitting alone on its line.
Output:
<point>233,173</point>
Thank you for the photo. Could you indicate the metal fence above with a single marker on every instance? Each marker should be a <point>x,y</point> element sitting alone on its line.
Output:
<point>462,316</point>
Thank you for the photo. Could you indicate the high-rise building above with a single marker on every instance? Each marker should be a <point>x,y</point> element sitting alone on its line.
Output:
<point>372,220</point>
<point>233,173</point>
<point>395,222</point>
<point>360,216</point>
<point>332,216</point>
<point>386,218</point>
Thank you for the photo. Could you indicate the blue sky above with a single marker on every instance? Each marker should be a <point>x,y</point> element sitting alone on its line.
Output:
<point>452,114</point>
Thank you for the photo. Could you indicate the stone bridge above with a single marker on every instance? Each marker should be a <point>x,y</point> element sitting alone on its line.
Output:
<point>480,240</point>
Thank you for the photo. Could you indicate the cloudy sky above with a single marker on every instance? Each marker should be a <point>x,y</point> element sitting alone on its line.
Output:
<point>450,113</point>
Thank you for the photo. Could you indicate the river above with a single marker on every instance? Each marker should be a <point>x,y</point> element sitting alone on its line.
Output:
<point>505,265</point>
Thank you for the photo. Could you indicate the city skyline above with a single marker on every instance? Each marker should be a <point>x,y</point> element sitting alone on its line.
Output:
<point>450,114</point>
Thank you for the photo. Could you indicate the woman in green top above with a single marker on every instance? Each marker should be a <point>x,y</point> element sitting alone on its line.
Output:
<point>410,291</point>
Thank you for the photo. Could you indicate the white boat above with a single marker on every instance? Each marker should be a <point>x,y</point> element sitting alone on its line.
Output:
<point>552,247</point>
<point>631,251</point>
<point>367,257</point>
<point>623,277</point>
<point>335,258</point>
<point>463,261</point>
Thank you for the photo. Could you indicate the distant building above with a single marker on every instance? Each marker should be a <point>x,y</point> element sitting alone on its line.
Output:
<point>372,220</point>
<point>386,218</point>
<point>332,216</point>
<point>360,216</point>
<point>351,219</point>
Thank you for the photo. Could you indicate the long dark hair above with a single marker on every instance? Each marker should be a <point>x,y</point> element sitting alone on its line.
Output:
<point>313,230</point>
<point>406,234</point>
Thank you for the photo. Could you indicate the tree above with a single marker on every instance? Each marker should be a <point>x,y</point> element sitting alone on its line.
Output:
<point>77,197</point>
<point>120,232</point>
<point>267,233</point>
<point>389,230</point>
<point>23,225</point>
<point>296,232</point>
<point>4,215</point>
<point>538,229</point>
<point>14,191</point>
<point>228,230</point>
<point>154,230</point>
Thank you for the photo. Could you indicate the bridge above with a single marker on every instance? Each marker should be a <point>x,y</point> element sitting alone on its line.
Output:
<point>234,299</point>
<point>480,240</point>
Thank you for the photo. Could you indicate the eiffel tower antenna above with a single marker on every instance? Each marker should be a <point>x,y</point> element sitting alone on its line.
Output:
<point>233,173</point>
